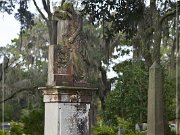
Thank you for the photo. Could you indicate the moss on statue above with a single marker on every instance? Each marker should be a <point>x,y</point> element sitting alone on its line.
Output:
<point>65,11</point>
<point>68,7</point>
<point>61,15</point>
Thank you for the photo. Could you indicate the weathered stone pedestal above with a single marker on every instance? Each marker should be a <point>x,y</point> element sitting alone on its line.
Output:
<point>67,110</point>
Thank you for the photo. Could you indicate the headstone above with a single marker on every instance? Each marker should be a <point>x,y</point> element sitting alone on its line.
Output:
<point>155,124</point>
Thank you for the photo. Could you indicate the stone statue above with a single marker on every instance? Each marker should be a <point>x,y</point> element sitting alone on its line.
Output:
<point>72,38</point>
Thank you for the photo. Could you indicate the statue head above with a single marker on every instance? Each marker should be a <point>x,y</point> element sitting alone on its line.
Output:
<point>68,6</point>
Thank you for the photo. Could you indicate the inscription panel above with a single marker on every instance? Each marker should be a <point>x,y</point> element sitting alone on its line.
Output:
<point>62,65</point>
<point>74,119</point>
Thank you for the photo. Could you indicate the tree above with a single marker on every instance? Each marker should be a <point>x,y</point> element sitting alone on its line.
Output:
<point>6,6</point>
<point>27,70</point>
<point>136,20</point>
<point>33,120</point>
<point>129,98</point>
<point>145,28</point>
<point>23,14</point>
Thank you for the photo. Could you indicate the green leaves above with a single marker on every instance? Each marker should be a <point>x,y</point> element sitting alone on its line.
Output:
<point>24,16</point>
<point>123,14</point>
<point>129,98</point>
<point>104,130</point>
<point>4,133</point>
<point>16,128</point>
<point>170,97</point>
<point>26,70</point>
<point>33,121</point>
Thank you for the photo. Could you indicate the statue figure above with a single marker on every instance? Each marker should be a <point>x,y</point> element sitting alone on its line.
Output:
<point>72,38</point>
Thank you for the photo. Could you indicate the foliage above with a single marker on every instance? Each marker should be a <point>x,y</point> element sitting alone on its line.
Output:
<point>107,130</point>
<point>129,98</point>
<point>124,124</point>
<point>6,6</point>
<point>9,112</point>
<point>12,110</point>
<point>13,113</point>
<point>135,133</point>
<point>4,133</point>
<point>146,26</point>
<point>23,15</point>
<point>27,69</point>
<point>104,130</point>
<point>169,97</point>
<point>16,128</point>
<point>122,14</point>
<point>30,49</point>
<point>33,120</point>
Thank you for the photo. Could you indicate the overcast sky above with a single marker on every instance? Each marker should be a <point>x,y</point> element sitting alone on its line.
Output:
<point>10,27</point>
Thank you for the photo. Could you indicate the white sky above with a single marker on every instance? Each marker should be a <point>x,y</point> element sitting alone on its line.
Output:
<point>10,27</point>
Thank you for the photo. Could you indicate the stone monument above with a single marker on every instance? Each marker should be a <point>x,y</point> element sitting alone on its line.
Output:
<point>67,96</point>
<point>155,123</point>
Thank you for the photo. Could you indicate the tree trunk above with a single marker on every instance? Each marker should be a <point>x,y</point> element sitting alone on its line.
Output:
<point>172,60</point>
<point>106,86</point>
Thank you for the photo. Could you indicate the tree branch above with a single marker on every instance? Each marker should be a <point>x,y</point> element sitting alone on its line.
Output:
<point>43,16</point>
<point>170,13</point>
<point>103,74</point>
<point>48,4</point>
<point>17,92</point>
<point>62,2</point>
<point>45,6</point>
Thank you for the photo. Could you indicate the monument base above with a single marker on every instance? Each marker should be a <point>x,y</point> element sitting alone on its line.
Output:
<point>67,110</point>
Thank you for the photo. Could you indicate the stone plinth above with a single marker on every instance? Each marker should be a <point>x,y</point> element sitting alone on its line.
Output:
<point>67,110</point>
<point>155,124</point>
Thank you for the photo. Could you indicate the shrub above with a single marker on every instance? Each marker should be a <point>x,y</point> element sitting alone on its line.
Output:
<point>104,130</point>
<point>16,128</point>
<point>5,133</point>
<point>135,133</point>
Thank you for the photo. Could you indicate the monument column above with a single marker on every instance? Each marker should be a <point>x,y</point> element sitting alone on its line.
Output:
<point>155,124</point>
